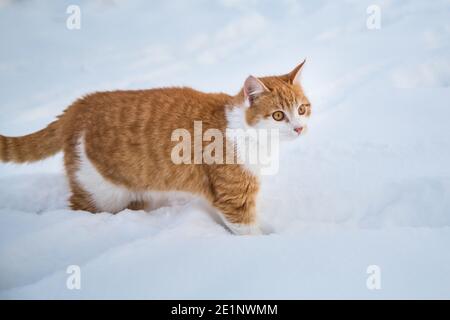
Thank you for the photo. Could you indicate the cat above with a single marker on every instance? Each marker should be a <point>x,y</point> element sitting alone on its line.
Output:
<point>117,145</point>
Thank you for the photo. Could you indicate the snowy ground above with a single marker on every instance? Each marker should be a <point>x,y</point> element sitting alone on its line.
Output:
<point>368,185</point>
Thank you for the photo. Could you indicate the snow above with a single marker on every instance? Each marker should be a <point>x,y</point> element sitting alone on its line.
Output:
<point>368,185</point>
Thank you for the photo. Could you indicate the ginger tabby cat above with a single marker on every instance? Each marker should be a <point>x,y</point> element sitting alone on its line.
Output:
<point>117,145</point>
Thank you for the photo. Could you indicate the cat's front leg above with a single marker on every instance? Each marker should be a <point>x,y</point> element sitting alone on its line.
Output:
<point>242,229</point>
<point>235,194</point>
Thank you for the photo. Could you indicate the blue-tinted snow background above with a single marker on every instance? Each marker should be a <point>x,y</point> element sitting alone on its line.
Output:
<point>368,185</point>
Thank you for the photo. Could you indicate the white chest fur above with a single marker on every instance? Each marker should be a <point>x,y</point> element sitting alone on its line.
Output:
<point>257,149</point>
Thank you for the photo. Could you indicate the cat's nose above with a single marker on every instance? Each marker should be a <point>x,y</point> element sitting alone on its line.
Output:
<point>298,129</point>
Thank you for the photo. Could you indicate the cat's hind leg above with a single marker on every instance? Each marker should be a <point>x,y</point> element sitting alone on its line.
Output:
<point>80,199</point>
<point>90,190</point>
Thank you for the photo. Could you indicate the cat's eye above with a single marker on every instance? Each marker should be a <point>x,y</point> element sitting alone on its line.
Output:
<point>302,108</point>
<point>278,115</point>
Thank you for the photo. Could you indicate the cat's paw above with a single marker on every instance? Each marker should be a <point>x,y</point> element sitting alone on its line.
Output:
<point>242,229</point>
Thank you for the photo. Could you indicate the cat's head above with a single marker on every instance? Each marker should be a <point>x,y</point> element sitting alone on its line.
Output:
<point>277,102</point>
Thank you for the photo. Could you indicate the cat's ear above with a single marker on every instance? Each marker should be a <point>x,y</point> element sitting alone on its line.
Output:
<point>253,87</point>
<point>294,76</point>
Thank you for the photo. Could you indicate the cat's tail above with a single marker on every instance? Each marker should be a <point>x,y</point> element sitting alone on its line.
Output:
<point>32,147</point>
